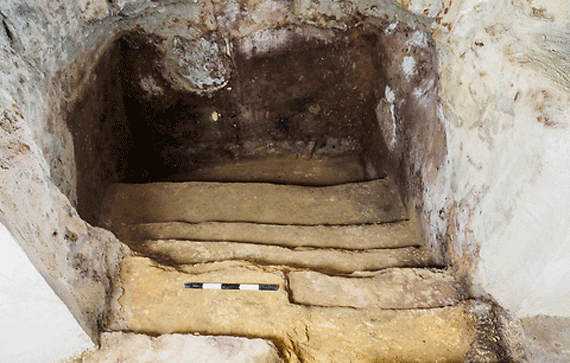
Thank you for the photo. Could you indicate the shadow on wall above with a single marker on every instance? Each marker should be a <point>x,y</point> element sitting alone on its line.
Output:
<point>102,138</point>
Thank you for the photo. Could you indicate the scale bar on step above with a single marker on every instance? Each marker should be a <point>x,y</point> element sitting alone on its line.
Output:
<point>219,286</point>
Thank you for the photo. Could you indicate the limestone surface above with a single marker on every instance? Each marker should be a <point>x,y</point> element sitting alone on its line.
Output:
<point>180,348</point>
<point>285,170</point>
<point>367,202</point>
<point>155,301</point>
<point>547,339</point>
<point>350,237</point>
<point>507,127</point>
<point>388,289</point>
<point>326,260</point>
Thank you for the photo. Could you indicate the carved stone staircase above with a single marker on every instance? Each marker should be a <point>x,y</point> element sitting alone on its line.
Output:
<point>349,280</point>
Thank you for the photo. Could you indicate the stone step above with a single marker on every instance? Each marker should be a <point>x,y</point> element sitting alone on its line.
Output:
<point>152,299</point>
<point>126,347</point>
<point>333,261</point>
<point>376,201</point>
<point>350,237</point>
<point>409,288</point>
<point>317,171</point>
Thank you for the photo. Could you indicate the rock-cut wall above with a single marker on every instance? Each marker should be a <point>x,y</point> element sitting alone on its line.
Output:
<point>505,92</point>
<point>57,68</point>
<point>77,260</point>
<point>475,125</point>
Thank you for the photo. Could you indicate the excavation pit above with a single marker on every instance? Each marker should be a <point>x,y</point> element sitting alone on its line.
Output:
<point>296,105</point>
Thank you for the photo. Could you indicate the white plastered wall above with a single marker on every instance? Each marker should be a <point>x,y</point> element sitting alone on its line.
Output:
<point>35,325</point>
<point>505,90</point>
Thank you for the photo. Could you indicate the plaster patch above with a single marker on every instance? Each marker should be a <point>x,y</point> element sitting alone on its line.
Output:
<point>418,39</point>
<point>409,66</point>
<point>264,41</point>
<point>389,94</point>
<point>269,40</point>
<point>424,93</point>
<point>390,28</point>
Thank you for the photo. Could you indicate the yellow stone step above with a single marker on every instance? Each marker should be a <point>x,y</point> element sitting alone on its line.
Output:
<point>325,260</point>
<point>375,201</point>
<point>349,237</point>
<point>283,170</point>
<point>394,288</point>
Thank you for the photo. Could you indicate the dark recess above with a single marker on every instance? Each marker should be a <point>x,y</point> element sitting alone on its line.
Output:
<point>311,99</point>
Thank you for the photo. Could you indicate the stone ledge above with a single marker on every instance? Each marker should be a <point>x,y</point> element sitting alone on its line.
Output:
<point>333,261</point>
<point>388,289</point>
<point>170,348</point>
<point>351,237</point>
<point>376,201</point>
